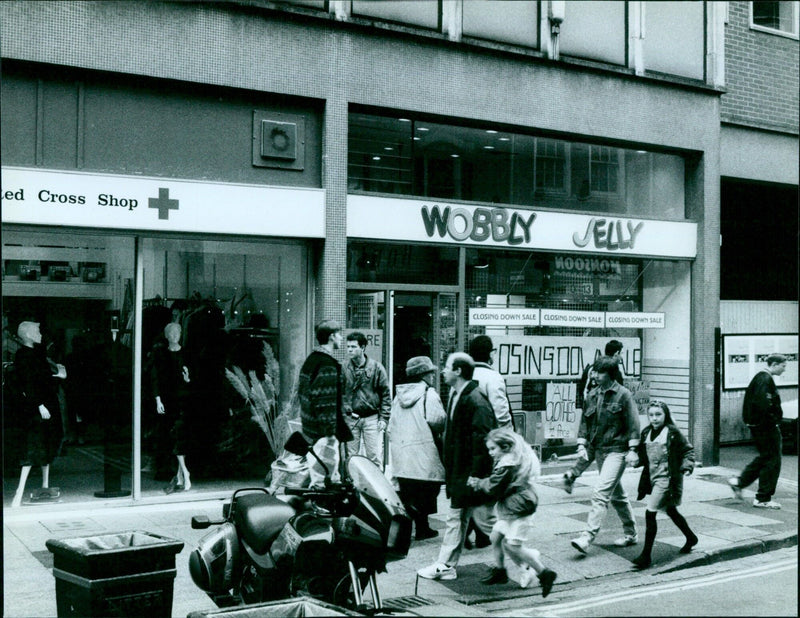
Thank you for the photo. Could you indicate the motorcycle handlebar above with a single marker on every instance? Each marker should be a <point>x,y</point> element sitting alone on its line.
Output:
<point>321,491</point>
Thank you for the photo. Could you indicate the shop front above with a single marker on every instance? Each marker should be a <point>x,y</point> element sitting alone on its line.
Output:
<point>112,266</point>
<point>550,288</point>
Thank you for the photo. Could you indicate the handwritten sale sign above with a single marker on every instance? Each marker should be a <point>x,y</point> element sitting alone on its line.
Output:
<point>561,419</point>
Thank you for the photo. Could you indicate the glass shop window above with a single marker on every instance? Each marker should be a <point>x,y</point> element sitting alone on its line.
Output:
<point>239,311</point>
<point>369,262</point>
<point>77,290</point>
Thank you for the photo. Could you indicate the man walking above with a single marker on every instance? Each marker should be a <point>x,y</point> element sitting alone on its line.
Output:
<point>320,389</point>
<point>586,385</point>
<point>367,400</point>
<point>609,428</point>
<point>762,413</point>
<point>491,383</point>
<point>469,419</point>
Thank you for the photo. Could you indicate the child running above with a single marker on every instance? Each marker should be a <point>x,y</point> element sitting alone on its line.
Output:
<point>666,456</point>
<point>513,484</point>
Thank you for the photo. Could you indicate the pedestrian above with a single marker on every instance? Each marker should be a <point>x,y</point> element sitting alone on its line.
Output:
<point>417,417</point>
<point>762,413</point>
<point>610,430</point>
<point>666,456</point>
<point>367,400</point>
<point>320,388</point>
<point>493,385</point>
<point>513,484</point>
<point>469,419</point>
<point>586,386</point>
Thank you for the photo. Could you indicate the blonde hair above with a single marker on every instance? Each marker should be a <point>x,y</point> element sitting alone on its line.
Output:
<point>516,453</point>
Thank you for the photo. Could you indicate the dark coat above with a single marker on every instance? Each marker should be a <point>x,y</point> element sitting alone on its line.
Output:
<point>465,452</point>
<point>680,457</point>
<point>762,403</point>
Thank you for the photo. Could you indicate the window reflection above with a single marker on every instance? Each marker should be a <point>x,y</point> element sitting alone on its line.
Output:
<point>408,156</point>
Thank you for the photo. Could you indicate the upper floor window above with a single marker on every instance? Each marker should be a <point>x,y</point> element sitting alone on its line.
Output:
<point>776,17</point>
<point>604,169</point>
<point>550,165</point>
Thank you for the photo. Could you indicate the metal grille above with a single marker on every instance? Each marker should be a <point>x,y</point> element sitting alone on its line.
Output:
<point>406,602</point>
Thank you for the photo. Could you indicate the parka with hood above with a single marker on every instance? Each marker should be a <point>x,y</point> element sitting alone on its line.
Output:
<point>417,413</point>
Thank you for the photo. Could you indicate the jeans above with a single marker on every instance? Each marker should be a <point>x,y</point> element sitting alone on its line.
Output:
<point>766,467</point>
<point>366,430</point>
<point>327,449</point>
<point>609,488</point>
<point>456,529</point>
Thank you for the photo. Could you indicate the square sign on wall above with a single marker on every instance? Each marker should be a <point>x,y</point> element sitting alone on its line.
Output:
<point>278,140</point>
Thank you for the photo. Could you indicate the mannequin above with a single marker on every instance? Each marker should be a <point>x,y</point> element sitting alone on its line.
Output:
<point>40,405</point>
<point>169,375</point>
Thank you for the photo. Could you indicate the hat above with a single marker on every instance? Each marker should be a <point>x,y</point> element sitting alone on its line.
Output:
<point>419,365</point>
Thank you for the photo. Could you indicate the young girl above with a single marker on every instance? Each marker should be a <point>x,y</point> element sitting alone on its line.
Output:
<point>666,456</point>
<point>512,483</point>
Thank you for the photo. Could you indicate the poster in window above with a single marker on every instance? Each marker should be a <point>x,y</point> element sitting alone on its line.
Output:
<point>745,355</point>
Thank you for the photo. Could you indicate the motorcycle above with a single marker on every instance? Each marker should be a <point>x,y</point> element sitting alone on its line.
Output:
<point>328,542</point>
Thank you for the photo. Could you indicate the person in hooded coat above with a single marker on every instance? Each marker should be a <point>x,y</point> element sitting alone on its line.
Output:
<point>417,416</point>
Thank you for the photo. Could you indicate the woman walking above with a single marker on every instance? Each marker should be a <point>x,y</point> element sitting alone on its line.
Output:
<point>417,416</point>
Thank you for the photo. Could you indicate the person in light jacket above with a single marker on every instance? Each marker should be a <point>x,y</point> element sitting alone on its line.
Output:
<point>417,416</point>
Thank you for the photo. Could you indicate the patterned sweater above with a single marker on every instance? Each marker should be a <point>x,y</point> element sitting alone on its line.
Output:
<point>319,389</point>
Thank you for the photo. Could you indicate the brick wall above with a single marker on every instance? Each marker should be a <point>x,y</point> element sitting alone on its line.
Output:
<point>761,74</point>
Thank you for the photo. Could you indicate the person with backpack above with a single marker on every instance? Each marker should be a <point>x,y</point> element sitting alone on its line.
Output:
<point>762,413</point>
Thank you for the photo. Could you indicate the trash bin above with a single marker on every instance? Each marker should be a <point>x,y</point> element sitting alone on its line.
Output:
<point>120,574</point>
<point>302,606</point>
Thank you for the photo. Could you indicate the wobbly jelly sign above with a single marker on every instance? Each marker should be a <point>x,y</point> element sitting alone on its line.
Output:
<point>610,235</point>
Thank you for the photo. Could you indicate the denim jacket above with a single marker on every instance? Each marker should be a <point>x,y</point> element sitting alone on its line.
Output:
<point>611,419</point>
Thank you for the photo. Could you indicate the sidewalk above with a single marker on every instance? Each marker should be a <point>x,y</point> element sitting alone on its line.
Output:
<point>727,529</point>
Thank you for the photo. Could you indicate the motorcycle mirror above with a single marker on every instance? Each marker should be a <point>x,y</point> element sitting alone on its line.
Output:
<point>297,445</point>
<point>200,522</point>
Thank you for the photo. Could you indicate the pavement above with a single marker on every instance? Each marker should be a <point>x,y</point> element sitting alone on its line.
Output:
<point>726,527</point>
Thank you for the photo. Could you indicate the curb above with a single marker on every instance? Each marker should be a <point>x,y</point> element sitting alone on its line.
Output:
<point>737,550</point>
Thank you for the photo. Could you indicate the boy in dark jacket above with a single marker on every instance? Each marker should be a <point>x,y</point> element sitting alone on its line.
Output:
<point>762,413</point>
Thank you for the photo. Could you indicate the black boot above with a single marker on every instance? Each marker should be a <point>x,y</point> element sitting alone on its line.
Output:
<point>423,529</point>
<point>683,526</point>
<point>481,540</point>
<point>496,575</point>
<point>642,561</point>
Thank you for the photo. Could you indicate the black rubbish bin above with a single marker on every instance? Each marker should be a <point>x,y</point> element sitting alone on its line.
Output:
<point>119,574</point>
<point>299,607</point>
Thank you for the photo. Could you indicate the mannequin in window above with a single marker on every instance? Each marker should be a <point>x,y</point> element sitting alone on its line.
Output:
<point>40,405</point>
<point>169,376</point>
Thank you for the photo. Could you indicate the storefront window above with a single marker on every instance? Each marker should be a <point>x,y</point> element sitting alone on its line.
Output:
<point>527,302</point>
<point>79,289</point>
<point>236,310</point>
<point>407,156</point>
<point>369,262</point>
<point>242,312</point>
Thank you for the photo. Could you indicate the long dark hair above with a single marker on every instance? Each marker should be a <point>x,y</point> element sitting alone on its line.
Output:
<point>664,408</point>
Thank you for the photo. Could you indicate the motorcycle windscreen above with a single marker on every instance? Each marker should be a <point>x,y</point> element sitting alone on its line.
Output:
<point>379,505</point>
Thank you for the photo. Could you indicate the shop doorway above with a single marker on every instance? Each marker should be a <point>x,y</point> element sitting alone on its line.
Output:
<point>402,324</point>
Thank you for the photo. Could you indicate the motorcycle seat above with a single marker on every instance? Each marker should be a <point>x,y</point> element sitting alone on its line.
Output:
<point>260,518</point>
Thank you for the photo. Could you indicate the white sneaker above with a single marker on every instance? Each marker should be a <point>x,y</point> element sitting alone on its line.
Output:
<point>526,577</point>
<point>769,504</point>
<point>438,571</point>
<point>582,543</point>
<point>627,540</point>
<point>734,485</point>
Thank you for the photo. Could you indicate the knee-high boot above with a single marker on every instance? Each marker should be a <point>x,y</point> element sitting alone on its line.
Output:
<point>643,560</point>
<point>683,526</point>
